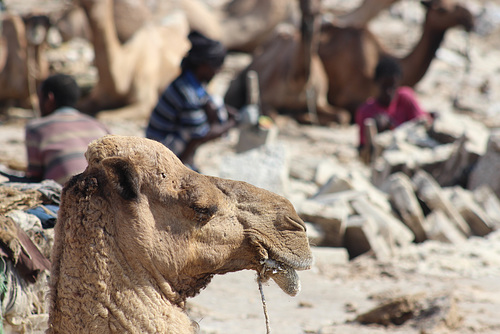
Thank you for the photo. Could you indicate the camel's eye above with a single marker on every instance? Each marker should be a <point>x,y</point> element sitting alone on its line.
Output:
<point>203,214</point>
<point>163,175</point>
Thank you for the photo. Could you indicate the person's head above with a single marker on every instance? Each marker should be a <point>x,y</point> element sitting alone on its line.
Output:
<point>205,58</point>
<point>387,77</point>
<point>59,90</point>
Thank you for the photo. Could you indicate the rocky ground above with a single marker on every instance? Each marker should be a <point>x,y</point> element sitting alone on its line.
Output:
<point>432,287</point>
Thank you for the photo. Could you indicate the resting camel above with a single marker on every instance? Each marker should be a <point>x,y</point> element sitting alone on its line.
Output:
<point>138,233</point>
<point>350,54</point>
<point>132,74</point>
<point>248,24</point>
<point>22,64</point>
<point>291,76</point>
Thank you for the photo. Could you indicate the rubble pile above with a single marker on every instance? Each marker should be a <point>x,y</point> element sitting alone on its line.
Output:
<point>426,184</point>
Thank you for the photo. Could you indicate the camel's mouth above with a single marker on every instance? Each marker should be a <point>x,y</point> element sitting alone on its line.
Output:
<point>282,265</point>
<point>283,274</point>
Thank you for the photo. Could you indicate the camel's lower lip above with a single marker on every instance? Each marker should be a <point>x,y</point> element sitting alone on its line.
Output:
<point>284,275</point>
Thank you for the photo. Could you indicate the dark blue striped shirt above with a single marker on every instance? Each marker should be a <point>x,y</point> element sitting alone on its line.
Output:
<point>179,115</point>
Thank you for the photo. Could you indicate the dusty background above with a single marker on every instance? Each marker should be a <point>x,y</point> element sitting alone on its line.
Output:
<point>335,291</point>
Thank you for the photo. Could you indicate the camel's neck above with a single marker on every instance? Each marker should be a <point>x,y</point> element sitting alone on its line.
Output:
<point>15,52</point>
<point>309,40</point>
<point>104,37</point>
<point>15,36</point>
<point>95,289</point>
<point>416,63</point>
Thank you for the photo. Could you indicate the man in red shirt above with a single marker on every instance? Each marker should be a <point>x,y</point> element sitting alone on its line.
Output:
<point>393,105</point>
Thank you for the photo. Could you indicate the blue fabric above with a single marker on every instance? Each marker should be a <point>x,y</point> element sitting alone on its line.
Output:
<point>48,220</point>
<point>201,93</point>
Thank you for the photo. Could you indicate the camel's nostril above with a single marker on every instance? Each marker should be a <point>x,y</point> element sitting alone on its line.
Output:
<point>296,224</point>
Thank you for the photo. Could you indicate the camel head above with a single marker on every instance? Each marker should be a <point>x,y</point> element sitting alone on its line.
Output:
<point>185,227</point>
<point>37,27</point>
<point>444,14</point>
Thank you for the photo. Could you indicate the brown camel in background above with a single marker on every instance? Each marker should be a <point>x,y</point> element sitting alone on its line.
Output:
<point>132,74</point>
<point>134,61</point>
<point>291,76</point>
<point>248,24</point>
<point>350,54</point>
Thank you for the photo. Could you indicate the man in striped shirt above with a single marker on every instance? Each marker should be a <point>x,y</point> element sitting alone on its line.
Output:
<point>57,141</point>
<point>186,116</point>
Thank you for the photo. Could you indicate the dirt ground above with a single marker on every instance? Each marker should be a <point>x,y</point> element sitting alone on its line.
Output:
<point>465,279</point>
<point>333,294</point>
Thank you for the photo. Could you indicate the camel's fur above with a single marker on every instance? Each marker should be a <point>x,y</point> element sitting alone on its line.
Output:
<point>132,74</point>
<point>138,233</point>
<point>351,54</point>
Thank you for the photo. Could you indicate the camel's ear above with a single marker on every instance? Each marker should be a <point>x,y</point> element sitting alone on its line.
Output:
<point>123,176</point>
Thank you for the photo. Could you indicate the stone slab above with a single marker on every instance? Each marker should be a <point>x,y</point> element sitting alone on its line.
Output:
<point>405,202</point>
<point>266,167</point>
<point>431,194</point>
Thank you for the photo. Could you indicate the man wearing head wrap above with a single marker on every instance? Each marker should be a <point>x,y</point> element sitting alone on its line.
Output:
<point>186,116</point>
